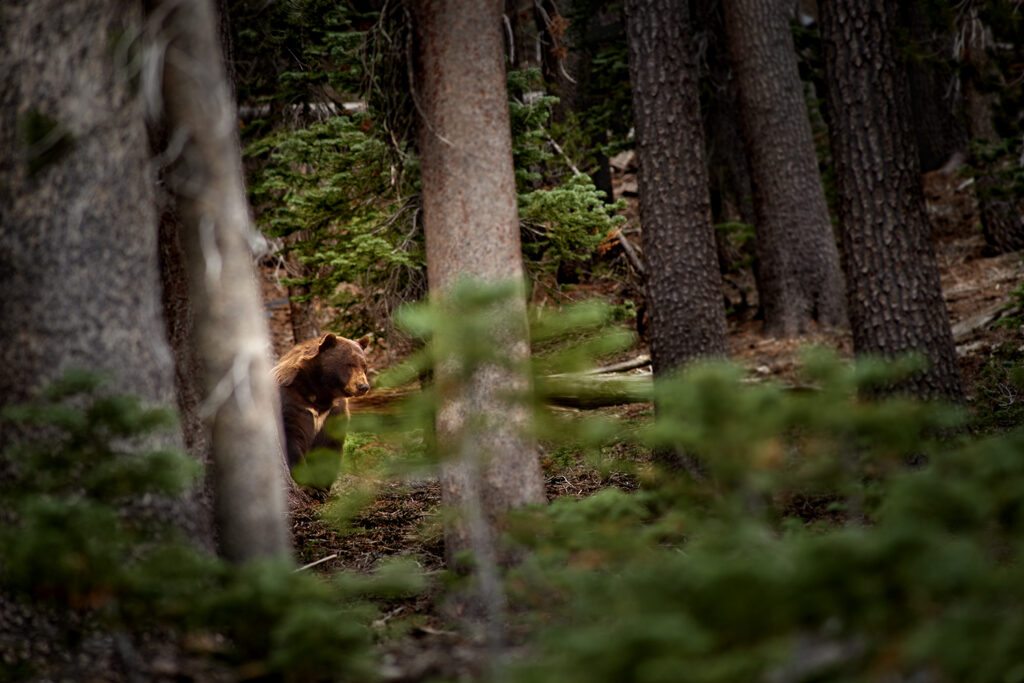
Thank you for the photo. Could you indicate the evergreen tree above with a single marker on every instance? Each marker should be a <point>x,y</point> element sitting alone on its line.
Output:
<point>892,279</point>
<point>797,266</point>
<point>683,282</point>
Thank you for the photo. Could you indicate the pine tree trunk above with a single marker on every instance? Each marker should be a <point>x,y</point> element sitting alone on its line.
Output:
<point>471,223</point>
<point>240,397</point>
<point>302,315</point>
<point>179,321</point>
<point>79,273</point>
<point>684,290</point>
<point>1002,217</point>
<point>728,172</point>
<point>525,34</point>
<point>892,278</point>
<point>80,279</point>
<point>931,76</point>
<point>799,278</point>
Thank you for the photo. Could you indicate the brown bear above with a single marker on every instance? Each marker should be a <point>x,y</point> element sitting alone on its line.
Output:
<point>315,377</point>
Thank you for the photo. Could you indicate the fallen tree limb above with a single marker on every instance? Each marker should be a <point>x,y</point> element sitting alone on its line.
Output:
<point>631,364</point>
<point>965,328</point>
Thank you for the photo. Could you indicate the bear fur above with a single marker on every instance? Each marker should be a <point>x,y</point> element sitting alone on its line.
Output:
<point>315,378</point>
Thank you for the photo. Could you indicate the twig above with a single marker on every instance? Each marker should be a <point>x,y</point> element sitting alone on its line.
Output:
<point>565,156</point>
<point>511,39</point>
<point>380,623</point>
<point>631,364</point>
<point>320,561</point>
<point>631,254</point>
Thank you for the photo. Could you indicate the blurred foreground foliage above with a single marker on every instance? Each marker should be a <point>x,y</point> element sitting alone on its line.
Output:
<point>85,533</point>
<point>834,535</point>
<point>832,532</point>
<point>836,531</point>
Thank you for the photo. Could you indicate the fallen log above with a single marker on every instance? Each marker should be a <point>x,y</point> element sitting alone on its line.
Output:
<point>580,390</point>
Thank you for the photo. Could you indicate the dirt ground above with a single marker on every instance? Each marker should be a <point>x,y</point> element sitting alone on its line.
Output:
<point>402,518</point>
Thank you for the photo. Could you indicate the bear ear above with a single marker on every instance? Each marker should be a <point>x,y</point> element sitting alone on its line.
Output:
<point>328,341</point>
<point>363,341</point>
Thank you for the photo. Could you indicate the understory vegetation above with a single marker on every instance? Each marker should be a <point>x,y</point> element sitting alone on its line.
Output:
<point>338,190</point>
<point>831,533</point>
<point>755,527</point>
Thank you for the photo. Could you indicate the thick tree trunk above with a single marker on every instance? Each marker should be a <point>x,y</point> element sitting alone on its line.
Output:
<point>799,278</point>
<point>240,398</point>
<point>684,290</point>
<point>472,230</point>
<point>79,276</point>
<point>892,278</point>
<point>80,279</point>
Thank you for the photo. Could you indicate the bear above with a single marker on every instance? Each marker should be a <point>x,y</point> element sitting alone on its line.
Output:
<point>316,377</point>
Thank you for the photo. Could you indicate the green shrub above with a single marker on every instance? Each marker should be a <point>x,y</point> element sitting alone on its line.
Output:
<point>721,579</point>
<point>72,540</point>
<point>999,398</point>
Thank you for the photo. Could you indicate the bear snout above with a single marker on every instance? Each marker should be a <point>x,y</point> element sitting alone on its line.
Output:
<point>362,388</point>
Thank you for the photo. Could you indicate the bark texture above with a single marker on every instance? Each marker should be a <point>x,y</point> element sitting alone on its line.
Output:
<point>179,321</point>
<point>892,278</point>
<point>240,398</point>
<point>471,223</point>
<point>684,290</point>
<point>77,213</point>
<point>79,275</point>
<point>797,267</point>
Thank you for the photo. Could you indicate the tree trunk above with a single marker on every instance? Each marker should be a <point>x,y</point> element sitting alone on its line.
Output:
<point>471,224</point>
<point>302,315</point>
<point>567,67</point>
<point>684,290</point>
<point>177,304</point>
<point>79,275</point>
<point>179,321</point>
<point>240,398</point>
<point>931,75</point>
<point>80,284</point>
<point>564,60</point>
<point>1002,218</point>
<point>892,278</point>
<point>524,52</point>
<point>799,279</point>
<point>728,173</point>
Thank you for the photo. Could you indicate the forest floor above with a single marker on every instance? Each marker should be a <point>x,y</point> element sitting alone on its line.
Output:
<point>417,639</point>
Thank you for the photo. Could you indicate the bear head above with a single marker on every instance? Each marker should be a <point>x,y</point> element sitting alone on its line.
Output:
<point>325,370</point>
<point>341,366</point>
